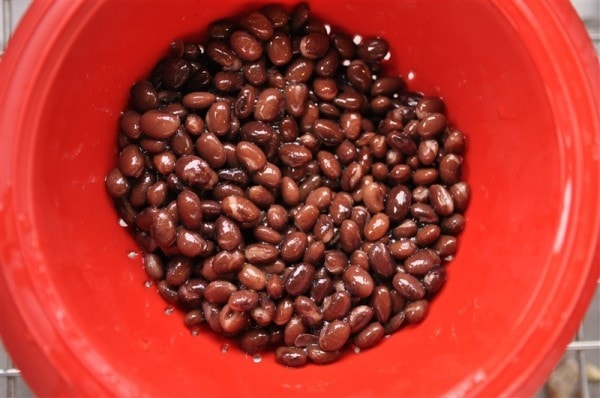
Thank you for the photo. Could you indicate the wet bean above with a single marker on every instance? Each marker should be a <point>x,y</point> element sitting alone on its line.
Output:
<point>382,304</point>
<point>279,49</point>
<point>408,286</point>
<point>377,227</point>
<point>219,291</point>
<point>308,311</point>
<point>221,53</point>
<point>198,99</point>
<point>334,336</point>
<point>373,49</point>
<point>259,25</point>
<point>369,336</point>
<point>218,118</point>
<point>445,245</point>
<point>291,356</point>
<point>358,281</point>
<point>450,169</point>
<point>336,306</point>
<point>228,233</point>
<point>225,262</point>
<point>261,253</point>
<point>252,277</point>
<point>179,269</point>
<point>240,209</point>
<point>434,279</point>
<point>269,104</point>
<point>300,279</point>
<point>254,341</point>
<point>381,259</point>
<point>131,161</point>
<point>416,311</point>
<point>460,196</point>
<point>422,262</point>
<point>246,46</point>
<point>305,217</point>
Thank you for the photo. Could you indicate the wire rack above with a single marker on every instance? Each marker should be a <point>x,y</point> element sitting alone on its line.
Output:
<point>584,349</point>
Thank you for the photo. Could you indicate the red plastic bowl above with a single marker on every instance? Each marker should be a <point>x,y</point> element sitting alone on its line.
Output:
<point>521,79</point>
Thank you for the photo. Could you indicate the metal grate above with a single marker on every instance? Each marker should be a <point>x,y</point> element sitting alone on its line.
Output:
<point>585,345</point>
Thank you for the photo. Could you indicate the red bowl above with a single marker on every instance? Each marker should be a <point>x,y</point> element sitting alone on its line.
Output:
<point>521,79</point>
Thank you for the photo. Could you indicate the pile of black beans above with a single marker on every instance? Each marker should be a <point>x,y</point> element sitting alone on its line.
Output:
<point>285,191</point>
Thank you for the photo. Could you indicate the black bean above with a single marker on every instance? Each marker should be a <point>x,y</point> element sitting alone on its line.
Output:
<point>296,99</point>
<point>372,49</point>
<point>359,75</point>
<point>300,279</point>
<point>225,262</point>
<point>460,196</point>
<point>432,125</point>
<point>199,99</point>
<point>291,356</point>
<point>269,104</point>
<point>381,260</point>
<point>245,45</point>
<point>153,266</point>
<point>328,132</point>
<point>259,25</point>
<point>294,155</point>
<point>358,281</point>
<point>322,357</point>
<point>221,53</point>
<point>369,336</point>
<point>300,70</point>
<point>416,311</point>
<point>308,311</point>
<point>144,96</point>
<point>408,286</point>
<point>334,336</point>
<point>131,161</point>
<point>252,277</point>
<point>116,184</point>
<point>175,72</point>
<point>218,118</point>
<point>377,227</point>
<point>179,269</point>
<point>240,209</point>
<point>422,262</point>
<point>279,49</point>
<point>387,85</point>
<point>454,224</point>
<point>254,341</point>
<point>434,279</point>
<point>382,304</point>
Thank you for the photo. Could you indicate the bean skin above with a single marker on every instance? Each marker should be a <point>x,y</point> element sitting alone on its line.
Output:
<point>359,317</point>
<point>294,155</point>
<point>334,336</point>
<point>369,336</point>
<point>279,49</point>
<point>358,281</point>
<point>245,45</point>
<point>211,149</point>
<point>408,286</point>
<point>381,260</point>
<point>250,156</point>
<point>291,356</point>
<point>300,279</point>
<point>240,209</point>
<point>158,124</point>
